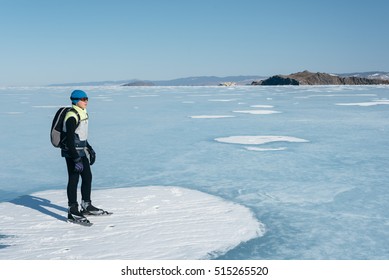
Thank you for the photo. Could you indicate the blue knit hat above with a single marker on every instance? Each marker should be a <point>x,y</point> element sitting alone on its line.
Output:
<point>77,95</point>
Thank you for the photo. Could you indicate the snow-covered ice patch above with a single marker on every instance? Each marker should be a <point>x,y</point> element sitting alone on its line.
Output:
<point>221,100</point>
<point>257,112</point>
<point>148,223</point>
<point>366,104</point>
<point>211,116</point>
<point>143,95</point>
<point>335,95</point>
<point>104,98</point>
<point>258,140</point>
<point>13,113</point>
<point>199,95</point>
<point>49,106</point>
<point>265,149</point>
<point>262,106</point>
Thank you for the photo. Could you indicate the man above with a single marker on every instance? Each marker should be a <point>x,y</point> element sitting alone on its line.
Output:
<point>79,156</point>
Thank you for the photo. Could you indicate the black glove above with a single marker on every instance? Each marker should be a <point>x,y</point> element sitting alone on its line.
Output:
<point>92,156</point>
<point>78,166</point>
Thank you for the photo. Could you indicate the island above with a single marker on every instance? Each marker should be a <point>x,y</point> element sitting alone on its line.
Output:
<point>310,78</point>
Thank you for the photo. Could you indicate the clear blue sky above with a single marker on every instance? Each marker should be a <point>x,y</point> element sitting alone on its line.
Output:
<point>43,42</point>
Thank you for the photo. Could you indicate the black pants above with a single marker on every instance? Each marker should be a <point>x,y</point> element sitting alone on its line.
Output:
<point>86,184</point>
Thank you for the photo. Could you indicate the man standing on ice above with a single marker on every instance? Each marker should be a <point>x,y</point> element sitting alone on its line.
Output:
<point>79,156</point>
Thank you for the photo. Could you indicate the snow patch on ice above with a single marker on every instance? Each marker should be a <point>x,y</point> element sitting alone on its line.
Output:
<point>258,140</point>
<point>336,95</point>
<point>143,95</point>
<point>265,149</point>
<point>262,106</point>
<point>221,100</point>
<point>257,112</point>
<point>49,106</point>
<point>211,116</point>
<point>13,113</point>
<point>366,104</point>
<point>148,223</point>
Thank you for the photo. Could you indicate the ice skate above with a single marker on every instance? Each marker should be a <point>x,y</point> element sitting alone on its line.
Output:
<point>74,216</point>
<point>88,209</point>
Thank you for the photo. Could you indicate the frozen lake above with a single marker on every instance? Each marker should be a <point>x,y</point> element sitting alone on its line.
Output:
<point>311,162</point>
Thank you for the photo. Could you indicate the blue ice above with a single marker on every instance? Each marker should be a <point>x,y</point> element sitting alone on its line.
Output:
<point>315,172</point>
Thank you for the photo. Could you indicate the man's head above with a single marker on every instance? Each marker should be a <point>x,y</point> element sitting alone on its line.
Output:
<point>79,98</point>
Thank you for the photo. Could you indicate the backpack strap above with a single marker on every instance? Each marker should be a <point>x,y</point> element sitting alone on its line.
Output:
<point>77,115</point>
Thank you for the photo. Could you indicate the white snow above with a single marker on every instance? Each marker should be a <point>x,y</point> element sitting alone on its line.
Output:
<point>13,113</point>
<point>265,149</point>
<point>262,106</point>
<point>48,106</point>
<point>211,116</point>
<point>366,104</point>
<point>221,100</point>
<point>143,95</point>
<point>152,222</point>
<point>335,95</point>
<point>258,140</point>
<point>257,112</point>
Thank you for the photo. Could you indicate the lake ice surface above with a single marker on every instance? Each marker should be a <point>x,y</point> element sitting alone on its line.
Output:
<point>324,196</point>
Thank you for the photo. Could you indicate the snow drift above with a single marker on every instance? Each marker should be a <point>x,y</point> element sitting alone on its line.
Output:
<point>148,223</point>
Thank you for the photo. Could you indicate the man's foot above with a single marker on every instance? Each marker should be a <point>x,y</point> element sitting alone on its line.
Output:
<point>75,216</point>
<point>88,209</point>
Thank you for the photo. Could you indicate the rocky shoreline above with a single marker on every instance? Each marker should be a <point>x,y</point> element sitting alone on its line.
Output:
<point>309,78</point>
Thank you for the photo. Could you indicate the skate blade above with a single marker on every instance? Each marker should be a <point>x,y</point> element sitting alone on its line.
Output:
<point>104,213</point>
<point>81,223</point>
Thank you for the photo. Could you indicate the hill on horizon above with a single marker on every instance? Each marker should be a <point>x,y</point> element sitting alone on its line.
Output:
<point>187,81</point>
<point>213,80</point>
<point>310,78</point>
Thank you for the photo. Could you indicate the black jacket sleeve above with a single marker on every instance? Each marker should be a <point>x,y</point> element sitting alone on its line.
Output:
<point>71,125</point>
<point>88,145</point>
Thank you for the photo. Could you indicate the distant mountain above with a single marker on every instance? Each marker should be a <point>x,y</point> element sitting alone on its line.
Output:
<point>369,75</point>
<point>208,81</point>
<point>245,80</point>
<point>309,78</point>
<point>189,81</point>
<point>101,83</point>
<point>139,84</point>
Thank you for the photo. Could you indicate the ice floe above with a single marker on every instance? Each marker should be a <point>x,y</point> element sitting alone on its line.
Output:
<point>148,223</point>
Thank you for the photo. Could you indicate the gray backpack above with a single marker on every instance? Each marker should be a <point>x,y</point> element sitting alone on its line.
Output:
<point>57,135</point>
